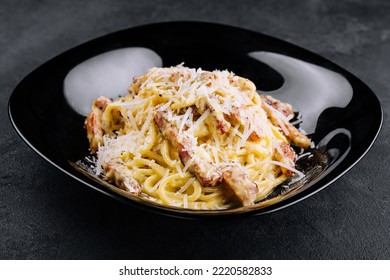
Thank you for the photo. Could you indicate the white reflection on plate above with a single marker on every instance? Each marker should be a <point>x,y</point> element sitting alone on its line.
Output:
<point>306,83</point>
<point>108,74</point>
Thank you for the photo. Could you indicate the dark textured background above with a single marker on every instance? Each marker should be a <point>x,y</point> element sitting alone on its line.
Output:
<point>45,214</point>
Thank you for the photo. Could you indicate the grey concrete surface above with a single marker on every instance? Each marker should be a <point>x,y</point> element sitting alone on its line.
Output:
<point>47,215</point>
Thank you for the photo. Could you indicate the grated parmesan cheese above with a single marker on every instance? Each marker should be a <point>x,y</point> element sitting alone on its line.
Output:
<point>162,179</point>
<point>224,112</point>
<point>186,185</point>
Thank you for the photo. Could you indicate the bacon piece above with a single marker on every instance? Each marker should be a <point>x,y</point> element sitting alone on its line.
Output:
<point>218,118</point>
<point>93,123</point>
<point>278,112</point>
<point>122,176</point>
<point>284,108</point>
<point>243,111</point>
<point>244,115</point>
<point>221,124</point>
<point>244,189</point>
<point>198,160</point>
<point>285,154</point>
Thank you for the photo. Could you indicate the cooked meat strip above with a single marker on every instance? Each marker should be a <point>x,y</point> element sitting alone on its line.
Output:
<point>285,154</point>
<point>284,108</point>
<point>218,118</point>
<point>188,151</point>
<point>93,123</point>
<point>244,189</point>
<point>119,173</point>
<point>243,115</point>
<point>277,112</point>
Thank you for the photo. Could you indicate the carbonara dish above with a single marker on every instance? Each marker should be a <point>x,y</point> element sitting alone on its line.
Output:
<point>194,139</point>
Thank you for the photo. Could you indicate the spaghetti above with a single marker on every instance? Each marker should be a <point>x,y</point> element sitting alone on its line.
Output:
<point>194,139</point>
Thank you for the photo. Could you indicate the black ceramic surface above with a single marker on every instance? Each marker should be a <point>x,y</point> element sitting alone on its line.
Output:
<point>343,131</point>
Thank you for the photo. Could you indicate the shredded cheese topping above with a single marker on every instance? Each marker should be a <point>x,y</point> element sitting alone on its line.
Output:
<point>179,127</point>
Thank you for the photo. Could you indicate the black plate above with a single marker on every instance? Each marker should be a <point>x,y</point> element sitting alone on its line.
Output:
<point>341,114</point>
